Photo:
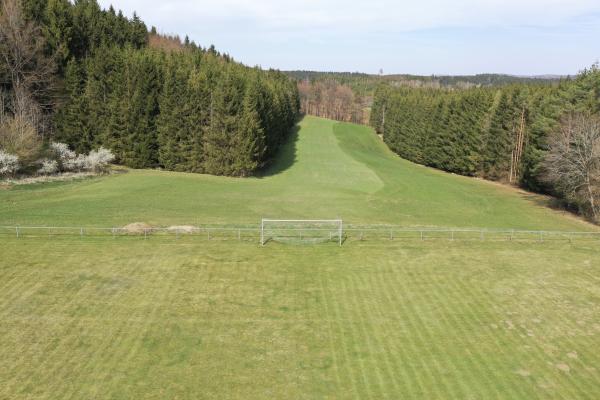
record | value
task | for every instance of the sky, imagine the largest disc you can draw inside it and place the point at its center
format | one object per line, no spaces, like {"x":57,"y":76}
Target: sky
{"x":424,"y":37}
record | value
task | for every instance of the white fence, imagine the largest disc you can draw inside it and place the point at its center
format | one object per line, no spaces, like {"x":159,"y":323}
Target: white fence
{"x":253,"y":233}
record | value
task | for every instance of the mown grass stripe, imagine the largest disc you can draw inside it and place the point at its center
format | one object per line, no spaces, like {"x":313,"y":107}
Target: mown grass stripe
{"x":379,"y":328}
{"x":412,"y":345}
{"x":330,"y":333}
{"x":397,"y":352}
{"x":355,"y":286}
{"x":58,"y":347}
{"x":354,"y":367}
{"x":479,"y":373}
{"x":368,"y":369}
{"x":501,"y":359}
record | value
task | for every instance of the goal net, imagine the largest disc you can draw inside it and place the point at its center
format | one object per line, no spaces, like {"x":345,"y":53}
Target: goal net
{"x":301,"y":231}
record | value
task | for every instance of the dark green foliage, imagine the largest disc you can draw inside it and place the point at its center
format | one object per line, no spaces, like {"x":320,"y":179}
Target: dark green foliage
{"x":498,"y":138}
{"x":70,"y":127}
{"x":498,"y":133}
{"x":189,"y":110}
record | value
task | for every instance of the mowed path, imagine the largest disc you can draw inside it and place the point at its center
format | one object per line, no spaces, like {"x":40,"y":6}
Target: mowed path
{"x":326,"y":170}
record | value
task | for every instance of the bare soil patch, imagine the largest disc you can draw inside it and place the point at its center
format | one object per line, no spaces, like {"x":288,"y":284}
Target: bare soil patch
{"x":182,"y":228}
{"x":137,"y":228}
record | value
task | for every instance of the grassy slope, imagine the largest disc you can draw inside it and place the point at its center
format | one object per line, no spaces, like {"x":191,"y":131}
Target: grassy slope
{"x":327,"y":170}
{"x":163,"y":318}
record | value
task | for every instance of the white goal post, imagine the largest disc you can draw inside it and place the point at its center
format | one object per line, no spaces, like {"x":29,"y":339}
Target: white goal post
{"x":301,"y":230}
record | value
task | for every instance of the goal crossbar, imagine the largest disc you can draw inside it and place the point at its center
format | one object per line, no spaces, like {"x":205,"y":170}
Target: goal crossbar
{"x":335,"y":227}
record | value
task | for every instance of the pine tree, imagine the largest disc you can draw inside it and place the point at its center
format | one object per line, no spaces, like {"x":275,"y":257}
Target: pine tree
{"x":219,"y":148}
{"x":72,"y":124}
{"x":169,"y":119}
{"x":249,"y":141}
{"x":496,"y":156}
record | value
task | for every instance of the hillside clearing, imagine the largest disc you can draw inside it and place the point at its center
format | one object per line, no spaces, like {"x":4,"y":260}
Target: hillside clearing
{"x":168,"y":316}
{"x":326,"y":170}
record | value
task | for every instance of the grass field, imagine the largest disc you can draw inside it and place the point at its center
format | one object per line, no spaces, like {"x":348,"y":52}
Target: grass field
{"x":127,"y":318}
{"x":327,"y":170}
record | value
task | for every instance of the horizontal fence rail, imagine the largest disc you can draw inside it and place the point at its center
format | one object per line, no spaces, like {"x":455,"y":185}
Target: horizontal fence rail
{"x":253,"y":233}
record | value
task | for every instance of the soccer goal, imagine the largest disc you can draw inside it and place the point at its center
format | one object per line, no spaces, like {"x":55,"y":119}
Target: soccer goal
{"x":301,"y":231}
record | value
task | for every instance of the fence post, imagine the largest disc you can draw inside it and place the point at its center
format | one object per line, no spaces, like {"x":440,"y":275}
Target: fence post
{"x":208,"y":233}
{"x":17,"y":229}
{"x":512,"y":232}
{"x":81,"y":232}
{"x":421,"y":235}
{"x":391,"y":234}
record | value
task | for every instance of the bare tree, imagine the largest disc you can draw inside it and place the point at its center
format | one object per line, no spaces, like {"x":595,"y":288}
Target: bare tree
{"x":18,"y":136}
{"x":573,"y":161}
{"x":330,"y":99}
{"x":29,"y":71}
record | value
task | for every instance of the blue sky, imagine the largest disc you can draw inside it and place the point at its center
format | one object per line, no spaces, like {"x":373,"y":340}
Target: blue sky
{"x":523,"y":37}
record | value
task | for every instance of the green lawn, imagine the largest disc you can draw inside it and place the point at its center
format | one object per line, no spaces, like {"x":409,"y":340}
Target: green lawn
{"x":327,"y":170}
{"x":133,"y":319}
{"x":188,"y":318}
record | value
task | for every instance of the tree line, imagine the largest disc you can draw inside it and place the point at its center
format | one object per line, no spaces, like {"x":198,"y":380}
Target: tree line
{"x":91,"y":77}
{"x":502,"y":133}
{"x":329,"y":99}
{"x":348,"y":96}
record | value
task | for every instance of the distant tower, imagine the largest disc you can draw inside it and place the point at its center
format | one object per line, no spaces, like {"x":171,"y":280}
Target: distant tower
{"x":380,"y":71}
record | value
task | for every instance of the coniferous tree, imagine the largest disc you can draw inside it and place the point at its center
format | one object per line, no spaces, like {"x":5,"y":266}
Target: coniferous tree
{"x":182,"y":108}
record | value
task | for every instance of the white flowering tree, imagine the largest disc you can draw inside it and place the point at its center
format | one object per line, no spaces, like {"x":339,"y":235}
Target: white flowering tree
{"x":48,"y":167}
{"x":9,"y":163}
{"x":98,"y":160}
{"x":78,"y":163}
{"x":64,"y":156}
{"x":68,"y":160}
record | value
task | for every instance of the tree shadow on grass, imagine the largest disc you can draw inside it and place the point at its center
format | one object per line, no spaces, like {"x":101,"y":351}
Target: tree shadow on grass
{"x":553,"y":203}
{"x":285,"y":158}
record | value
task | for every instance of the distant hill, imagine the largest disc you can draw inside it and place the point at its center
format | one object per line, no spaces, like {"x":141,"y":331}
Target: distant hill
{"x":364,"y":84}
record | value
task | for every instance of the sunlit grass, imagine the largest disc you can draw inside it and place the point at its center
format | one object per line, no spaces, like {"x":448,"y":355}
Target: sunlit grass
{"x":327,"y":170}
{"x":85,"y":317}
{"x":130,"y":318}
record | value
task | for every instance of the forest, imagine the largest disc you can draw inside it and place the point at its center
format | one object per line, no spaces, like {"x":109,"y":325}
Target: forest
{"x":328,"y":98}
{"x":348,"y":96}
{"x":88,"y":77}
{"x":510,"y":133}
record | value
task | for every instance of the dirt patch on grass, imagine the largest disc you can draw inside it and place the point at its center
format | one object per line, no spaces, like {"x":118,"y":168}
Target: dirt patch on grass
{"x":182,"y":228}
{"x":137,"y":228}
{"x":523,"y":372}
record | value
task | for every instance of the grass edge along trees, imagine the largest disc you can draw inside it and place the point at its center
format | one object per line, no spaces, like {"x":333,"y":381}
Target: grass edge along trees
{"x":499,"y":133}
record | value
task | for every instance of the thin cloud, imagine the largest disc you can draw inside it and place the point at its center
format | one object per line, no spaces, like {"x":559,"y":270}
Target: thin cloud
{"x":342,"y":14}
{"x":346,"y":35}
